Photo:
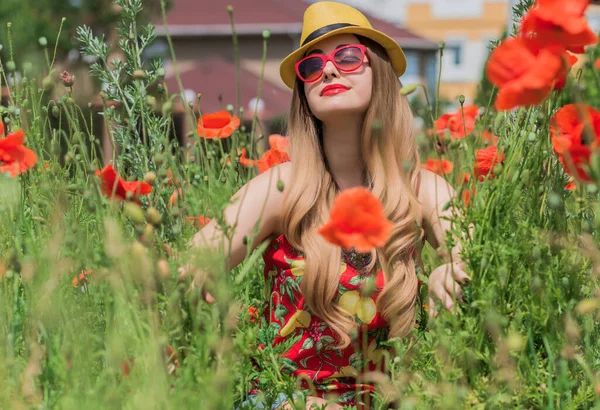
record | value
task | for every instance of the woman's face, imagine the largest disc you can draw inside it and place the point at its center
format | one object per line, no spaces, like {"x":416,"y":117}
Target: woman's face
{"x":357,"y":96}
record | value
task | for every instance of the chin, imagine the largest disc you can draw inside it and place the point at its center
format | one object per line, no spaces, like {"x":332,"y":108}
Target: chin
{"x":335,"y":111}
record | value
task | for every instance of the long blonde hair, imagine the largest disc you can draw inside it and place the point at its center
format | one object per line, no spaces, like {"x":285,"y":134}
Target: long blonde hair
{"x":392,"y":163}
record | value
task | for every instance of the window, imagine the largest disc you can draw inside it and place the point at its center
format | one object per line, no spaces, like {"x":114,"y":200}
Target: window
{"x":454,"y":51}
{"x":453,"y":9}
{"x":412,"y":63}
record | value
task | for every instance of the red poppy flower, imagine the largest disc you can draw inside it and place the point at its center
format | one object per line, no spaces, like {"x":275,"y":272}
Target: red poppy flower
{"x":174,"y":198}
{"x":559,"y":22}
{"x":575,"y":132}
{"x":524,"y":72}
{"x":81,"y":278}
{"x":279,"y":142}
{"x":253,"y":313}
{"x":217,"y":125}
{"x":171,"y":359}
{"x":467,"y":194}
{"x":489,"y":138}
{"x":275,"y":155}
{"x":126,"y":366}
{"x":271,"y":158}
{"x":571,"y":186}
{"x":198,"y":221}
{"x":568,"y":124}
{"x":245,"y":161}
{"x":485,"y":161}
{"x":112,"y":182}
{"x":456,"y":123}
{"x":439,"y":166}
{"x":357,"y":220}
{"x":597,"y":63}
{"x":15,"y":158}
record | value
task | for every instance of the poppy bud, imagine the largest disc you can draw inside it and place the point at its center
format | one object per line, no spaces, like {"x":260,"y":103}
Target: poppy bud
{"x":139,"y":75}
{"x":48,"y":83}
{"x":515,"y":342}
{"x":498,"y":169}
{"x":587,"y":306}
{"x":408,"y":89}
{"x":160,"y":72}
{"x":11,"y":66}
{"x":43,"y":41}
{"x":148,"y":235}
{"x":154,"y":216}
{"x":167,"y":108}
{"x":150,"y":178}
{"x":134,"y":212}
{"x":461,"y":99}
{"x":266,"y":34}
{"x":67,"y":79}
{"x":554,"y":201}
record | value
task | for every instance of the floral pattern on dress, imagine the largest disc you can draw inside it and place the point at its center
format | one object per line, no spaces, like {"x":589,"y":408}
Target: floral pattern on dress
{"x":314,"y":356}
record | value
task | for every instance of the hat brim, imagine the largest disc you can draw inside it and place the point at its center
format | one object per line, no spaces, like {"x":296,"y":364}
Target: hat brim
{"x":287,"y":68}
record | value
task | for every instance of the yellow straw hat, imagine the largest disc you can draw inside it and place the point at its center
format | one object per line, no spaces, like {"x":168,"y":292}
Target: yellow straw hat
{"x":327,"y":18}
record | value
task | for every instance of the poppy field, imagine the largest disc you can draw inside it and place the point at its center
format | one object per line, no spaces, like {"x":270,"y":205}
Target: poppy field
{"x":95,"y":312}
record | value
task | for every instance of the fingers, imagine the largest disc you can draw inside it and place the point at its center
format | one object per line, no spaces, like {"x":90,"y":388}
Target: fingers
{"x":432,"y":310}
{"x":440,"y":293}
{"x":198,"y":282}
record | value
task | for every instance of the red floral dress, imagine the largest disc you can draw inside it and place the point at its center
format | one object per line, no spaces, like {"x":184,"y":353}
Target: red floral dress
{"x":332,"y":371}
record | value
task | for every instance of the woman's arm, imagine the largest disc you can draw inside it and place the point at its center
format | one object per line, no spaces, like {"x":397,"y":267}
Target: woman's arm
{"x":434,"y":193}
{"x":258,"y":201}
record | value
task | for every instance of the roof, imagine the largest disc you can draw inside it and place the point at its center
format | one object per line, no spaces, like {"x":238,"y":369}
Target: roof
{"x":216,"y":76}
{"x":203,"y":18}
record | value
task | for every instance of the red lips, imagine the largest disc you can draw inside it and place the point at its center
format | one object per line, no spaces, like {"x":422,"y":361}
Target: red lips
{"x":331,"y":87}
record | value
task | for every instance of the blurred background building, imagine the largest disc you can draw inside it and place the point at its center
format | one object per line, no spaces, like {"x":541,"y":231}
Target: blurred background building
{"x":202,"y":39}
{"x":201,"y":33}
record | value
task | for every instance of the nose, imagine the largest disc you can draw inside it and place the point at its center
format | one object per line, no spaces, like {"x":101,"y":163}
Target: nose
{"x":330,"y":70}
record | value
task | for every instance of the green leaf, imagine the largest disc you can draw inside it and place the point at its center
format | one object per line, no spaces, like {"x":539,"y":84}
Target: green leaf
{"x":288,"y":365}
{"x":308,"y":344}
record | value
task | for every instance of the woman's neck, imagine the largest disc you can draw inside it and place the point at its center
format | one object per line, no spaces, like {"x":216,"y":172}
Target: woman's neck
{"x":341,"y":144}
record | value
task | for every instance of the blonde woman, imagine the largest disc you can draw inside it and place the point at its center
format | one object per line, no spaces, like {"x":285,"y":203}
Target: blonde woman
{"x":348,"y":126}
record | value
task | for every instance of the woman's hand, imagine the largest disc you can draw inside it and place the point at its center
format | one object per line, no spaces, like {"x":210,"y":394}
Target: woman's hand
{"x":444,"y":285}
{"x":198,"y":282}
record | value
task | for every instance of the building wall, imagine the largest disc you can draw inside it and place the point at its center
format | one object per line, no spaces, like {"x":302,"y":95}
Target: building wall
{"x":466,"y":26}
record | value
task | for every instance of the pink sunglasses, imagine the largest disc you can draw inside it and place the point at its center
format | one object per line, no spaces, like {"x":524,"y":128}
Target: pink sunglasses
{"x":346,"y":59}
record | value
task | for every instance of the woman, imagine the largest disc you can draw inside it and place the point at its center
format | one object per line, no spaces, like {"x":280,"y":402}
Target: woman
{"x":349,"y":126}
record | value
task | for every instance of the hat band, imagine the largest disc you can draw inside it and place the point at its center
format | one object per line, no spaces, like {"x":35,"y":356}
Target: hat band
{"x":324,"y":30}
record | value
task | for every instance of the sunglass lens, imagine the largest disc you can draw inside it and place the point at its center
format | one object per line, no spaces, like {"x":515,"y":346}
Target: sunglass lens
{"x":349,"y":58}
{"x":310,"y":69}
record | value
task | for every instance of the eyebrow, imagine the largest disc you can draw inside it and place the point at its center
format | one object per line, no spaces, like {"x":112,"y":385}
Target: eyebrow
{"x":321,"y":51}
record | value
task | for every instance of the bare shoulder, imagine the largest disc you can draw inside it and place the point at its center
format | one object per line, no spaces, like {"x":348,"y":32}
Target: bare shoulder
{"x":433,"y":189}
{"x":265,"y":189}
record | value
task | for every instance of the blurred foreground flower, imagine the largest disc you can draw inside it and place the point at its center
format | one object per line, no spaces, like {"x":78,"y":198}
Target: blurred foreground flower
{"x":456,"y":123}
{"x":439,"y":166}
{"x":116,"y":187}
{"x":357,"y":221}
{"x":15,"y":158}
{"x":524,"y":72}
{"x":217,"y":125}
{"x":559,"y":22}
{"x":575,"y":131}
